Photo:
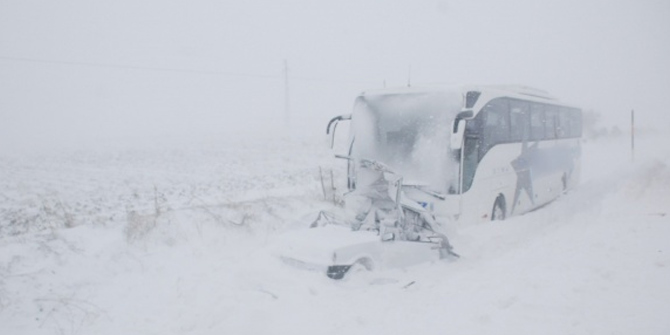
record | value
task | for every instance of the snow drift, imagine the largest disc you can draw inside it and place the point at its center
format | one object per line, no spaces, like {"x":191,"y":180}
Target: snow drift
{"x":177,"y":241}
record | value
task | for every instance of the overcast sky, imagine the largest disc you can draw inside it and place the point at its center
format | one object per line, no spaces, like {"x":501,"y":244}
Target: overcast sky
{"x":76,"y":70}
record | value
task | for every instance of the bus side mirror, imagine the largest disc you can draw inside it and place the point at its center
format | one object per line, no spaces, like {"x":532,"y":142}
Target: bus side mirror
{"x":457,"y":134}
{"x":458,"y":129}
{"x":333,"y":122}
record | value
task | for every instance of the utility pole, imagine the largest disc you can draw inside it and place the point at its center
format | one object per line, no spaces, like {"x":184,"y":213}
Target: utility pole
{"x":287,"y":109}
{"x":409,"y":76}
{"x":632,"y":135}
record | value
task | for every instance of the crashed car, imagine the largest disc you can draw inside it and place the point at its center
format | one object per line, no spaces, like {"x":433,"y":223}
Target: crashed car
{"x":379,"y":230}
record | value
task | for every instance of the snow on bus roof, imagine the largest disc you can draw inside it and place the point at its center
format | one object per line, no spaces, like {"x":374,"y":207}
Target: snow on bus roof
{"x":513,"y":89}
{"x":411,"y":90}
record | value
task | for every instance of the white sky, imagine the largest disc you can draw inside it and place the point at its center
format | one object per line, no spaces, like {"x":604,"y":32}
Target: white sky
{"x":611,"y":56}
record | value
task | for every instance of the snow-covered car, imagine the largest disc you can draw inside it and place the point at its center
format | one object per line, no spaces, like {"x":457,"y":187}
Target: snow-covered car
{"x":380,"y":230}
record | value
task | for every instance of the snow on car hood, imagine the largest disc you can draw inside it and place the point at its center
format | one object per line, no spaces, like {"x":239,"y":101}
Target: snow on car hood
{"x":316,"y":247}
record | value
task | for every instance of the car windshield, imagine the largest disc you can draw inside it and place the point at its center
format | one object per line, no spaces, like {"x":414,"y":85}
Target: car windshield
{"x":409,"y":132}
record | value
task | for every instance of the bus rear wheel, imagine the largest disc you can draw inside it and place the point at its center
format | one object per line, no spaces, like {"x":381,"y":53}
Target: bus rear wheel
{"x":498,"y":212}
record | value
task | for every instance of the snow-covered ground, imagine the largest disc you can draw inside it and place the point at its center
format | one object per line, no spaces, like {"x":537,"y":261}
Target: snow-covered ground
{"x":159,"y":240}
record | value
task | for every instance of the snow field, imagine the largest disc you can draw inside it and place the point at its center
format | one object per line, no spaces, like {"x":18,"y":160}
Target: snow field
{"x":177,"y":241}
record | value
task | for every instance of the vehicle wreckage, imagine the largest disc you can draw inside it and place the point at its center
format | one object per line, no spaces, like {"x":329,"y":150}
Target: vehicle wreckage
{"x":420,"y":158}
{"x":379,"y":225}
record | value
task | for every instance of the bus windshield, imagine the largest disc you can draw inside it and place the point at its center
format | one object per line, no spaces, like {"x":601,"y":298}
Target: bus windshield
{"x":409,"y":133}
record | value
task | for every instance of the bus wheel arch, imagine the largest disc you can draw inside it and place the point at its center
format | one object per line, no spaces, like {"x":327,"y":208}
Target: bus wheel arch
{"x":499,"y":210}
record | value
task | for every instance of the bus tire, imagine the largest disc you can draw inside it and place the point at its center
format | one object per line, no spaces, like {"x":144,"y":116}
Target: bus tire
{"x":498,"y":212}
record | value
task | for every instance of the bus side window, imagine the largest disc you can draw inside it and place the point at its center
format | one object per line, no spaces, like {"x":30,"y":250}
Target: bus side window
{"x":519,"y":122}
{"x":496,"y":127}
{"x":471,"y":159}
{"x":576,"y":122}
{"x":563,"y":127}
{"x":550,"y":116}
{"x":536,"y":122}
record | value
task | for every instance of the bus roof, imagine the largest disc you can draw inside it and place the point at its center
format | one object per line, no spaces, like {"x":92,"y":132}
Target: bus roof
{"x":488,"y":92}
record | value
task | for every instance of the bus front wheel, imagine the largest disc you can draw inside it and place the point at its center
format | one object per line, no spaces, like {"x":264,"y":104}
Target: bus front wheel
{"x":498,"y":213}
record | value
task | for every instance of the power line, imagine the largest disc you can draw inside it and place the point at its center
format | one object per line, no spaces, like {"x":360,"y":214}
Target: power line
{"x":191,"y":71}
{"x":335,"y":80}
{"x":133,"y":67}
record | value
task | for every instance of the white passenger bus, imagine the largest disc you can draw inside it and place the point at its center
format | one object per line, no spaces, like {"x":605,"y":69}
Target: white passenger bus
{"x":468,"y":153}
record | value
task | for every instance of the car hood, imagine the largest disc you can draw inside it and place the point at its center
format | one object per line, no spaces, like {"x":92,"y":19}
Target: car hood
{"x":322,"y":246}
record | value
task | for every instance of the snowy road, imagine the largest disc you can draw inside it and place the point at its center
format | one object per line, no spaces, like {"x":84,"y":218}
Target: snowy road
{"x":175,"y":241}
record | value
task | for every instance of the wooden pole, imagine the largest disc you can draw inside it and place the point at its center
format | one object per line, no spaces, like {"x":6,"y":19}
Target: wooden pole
{"x":632,"y":134}
{"x":287,"y":109}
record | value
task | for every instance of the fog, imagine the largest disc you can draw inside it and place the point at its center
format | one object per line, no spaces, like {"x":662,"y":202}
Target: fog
{"x":150,"y":163}
{"x":79,"y":72}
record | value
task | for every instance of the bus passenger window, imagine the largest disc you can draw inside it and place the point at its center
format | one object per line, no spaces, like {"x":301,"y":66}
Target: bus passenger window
{"x":563,"y":126}
{"x":496,"y":129}
{"x":575,"y":123}
{"x":550,"y":122}
{"x":520,"y":126}
{"x":536,"y":122}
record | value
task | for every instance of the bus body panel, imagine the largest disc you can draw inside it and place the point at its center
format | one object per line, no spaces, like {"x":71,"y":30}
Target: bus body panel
{"x":496,"y":176}
{"x":508,"y":161}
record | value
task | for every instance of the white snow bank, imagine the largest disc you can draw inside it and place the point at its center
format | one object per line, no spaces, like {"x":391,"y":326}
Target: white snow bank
{"x":193,"y":257}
